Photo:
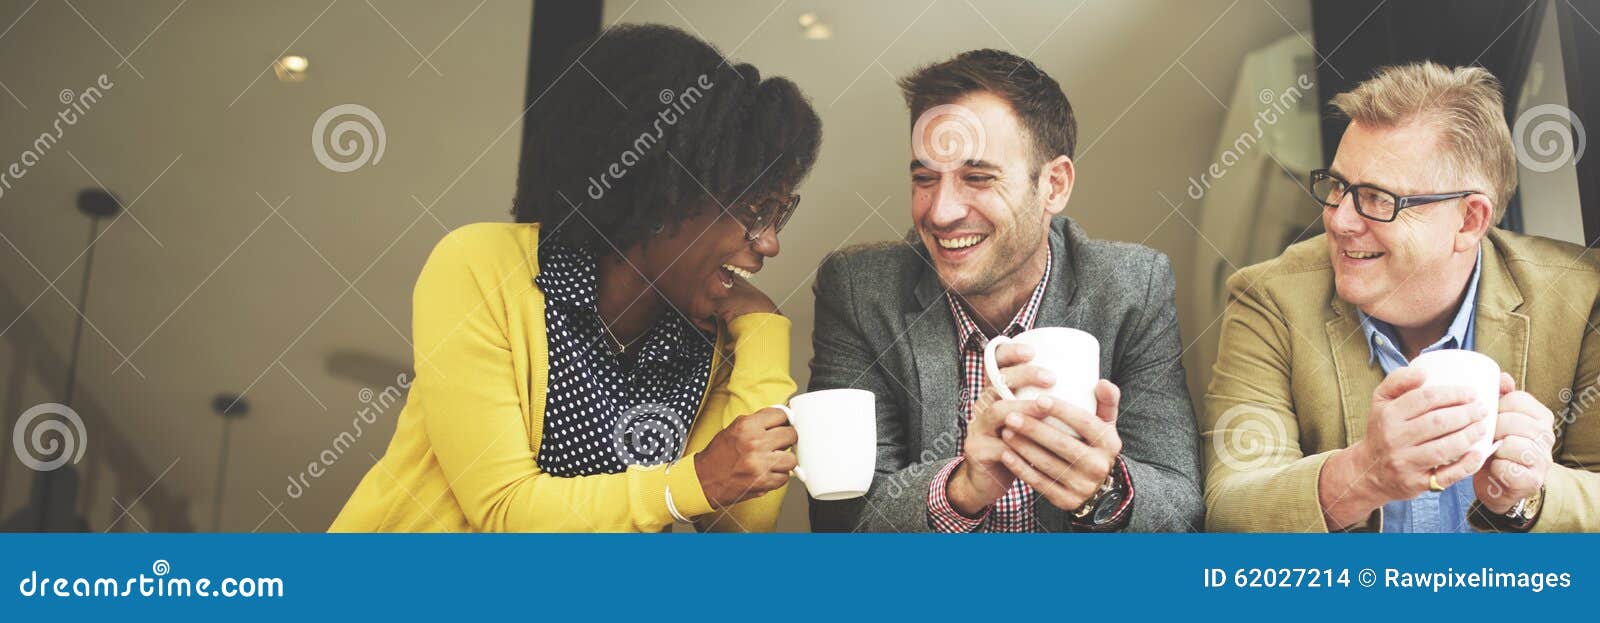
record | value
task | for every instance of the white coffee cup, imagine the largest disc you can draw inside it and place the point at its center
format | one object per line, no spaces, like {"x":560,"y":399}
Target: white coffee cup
{"x":838,"y":447}
{"x":1073,"y":356}
{"x":1475,"y":371}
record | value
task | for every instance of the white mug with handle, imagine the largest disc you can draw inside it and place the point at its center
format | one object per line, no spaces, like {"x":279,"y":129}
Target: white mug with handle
{"x":1073,"y":356}
{"x":1475,"y":371}
{"x":838,"y":441}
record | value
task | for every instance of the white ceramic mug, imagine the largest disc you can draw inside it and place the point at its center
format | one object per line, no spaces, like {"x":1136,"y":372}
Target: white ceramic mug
{"x":838,"y":447}
{"x":1475,"y":371}
{"x":1073,"y":356}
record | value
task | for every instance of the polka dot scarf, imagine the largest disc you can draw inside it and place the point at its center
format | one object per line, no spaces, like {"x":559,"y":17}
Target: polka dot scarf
{"x":601,"y":417}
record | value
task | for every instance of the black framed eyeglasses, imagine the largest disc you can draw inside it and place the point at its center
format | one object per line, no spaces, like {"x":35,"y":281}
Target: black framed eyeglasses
{"x":1372,"y":202}
{"x":773,"y":213}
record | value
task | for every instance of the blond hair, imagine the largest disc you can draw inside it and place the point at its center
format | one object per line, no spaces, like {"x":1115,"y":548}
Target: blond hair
{"x":1464,"y":103}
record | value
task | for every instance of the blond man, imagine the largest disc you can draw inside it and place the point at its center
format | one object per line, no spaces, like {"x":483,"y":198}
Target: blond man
{"x":1314,"y":422}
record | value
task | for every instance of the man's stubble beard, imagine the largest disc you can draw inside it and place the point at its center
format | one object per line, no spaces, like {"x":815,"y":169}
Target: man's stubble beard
{"x":1009,"y":255}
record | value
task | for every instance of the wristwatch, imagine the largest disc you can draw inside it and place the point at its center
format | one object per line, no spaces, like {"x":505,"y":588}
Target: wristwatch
{"x":1107,"y":510}
{"x":1099,"y":496}
{"x":1521,"y":518}
{"x":1526,"y":509}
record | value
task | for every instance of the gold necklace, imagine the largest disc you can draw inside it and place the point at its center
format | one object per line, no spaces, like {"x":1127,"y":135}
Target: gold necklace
{"x":621,"y":348}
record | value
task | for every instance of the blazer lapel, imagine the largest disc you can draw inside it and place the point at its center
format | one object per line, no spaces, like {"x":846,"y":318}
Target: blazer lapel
{"x":1499,"y":330}
{"x":1353,"y":366}
{"x":1056,"y":310}
{"x":930,"y":335}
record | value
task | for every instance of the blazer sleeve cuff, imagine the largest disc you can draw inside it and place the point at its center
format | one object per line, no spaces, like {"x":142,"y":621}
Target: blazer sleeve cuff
{"x":1269,"y":499}
{"x":1568,"y":506}
{"x":1312,"y":514}
{"x":1559,"y":489}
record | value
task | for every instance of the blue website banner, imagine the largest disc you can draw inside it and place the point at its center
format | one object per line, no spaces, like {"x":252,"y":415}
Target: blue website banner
{"x":749,"y":577}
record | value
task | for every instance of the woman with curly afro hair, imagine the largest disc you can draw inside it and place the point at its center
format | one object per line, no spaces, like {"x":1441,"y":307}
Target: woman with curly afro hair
{"x":604,"y":363}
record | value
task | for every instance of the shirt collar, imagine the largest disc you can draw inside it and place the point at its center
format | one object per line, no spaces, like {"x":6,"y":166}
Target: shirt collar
{"x":672,"y":338}
{"x":1381,"y":336}
{"x":567,"y":276}
{"x":971,"y":337}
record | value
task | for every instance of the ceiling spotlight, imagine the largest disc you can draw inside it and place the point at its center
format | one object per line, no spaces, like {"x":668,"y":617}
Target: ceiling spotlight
{"x":812,"y":27}
{"x":291,"y":68}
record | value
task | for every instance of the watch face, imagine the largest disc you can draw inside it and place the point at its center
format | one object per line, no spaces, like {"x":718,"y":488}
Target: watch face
{"x":1107,"y":506}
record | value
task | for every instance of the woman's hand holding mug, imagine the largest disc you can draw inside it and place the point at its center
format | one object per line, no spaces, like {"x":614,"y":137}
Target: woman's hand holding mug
{"x":748,"y":458}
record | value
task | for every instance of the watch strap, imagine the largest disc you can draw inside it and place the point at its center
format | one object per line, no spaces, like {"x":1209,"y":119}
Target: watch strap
{"x":1112,"y":507}
{"x":1521,"y":518}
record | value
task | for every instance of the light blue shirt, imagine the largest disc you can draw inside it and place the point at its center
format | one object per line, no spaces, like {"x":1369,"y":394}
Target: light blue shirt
{"x":1444,"y":511}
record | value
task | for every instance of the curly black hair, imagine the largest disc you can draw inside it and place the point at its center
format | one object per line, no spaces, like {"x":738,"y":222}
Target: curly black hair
{"x":648,"y":127}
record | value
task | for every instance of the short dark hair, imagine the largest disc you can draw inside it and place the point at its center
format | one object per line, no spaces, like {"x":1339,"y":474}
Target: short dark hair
{"x":652,"y":128}
{"x":1034,"y":96}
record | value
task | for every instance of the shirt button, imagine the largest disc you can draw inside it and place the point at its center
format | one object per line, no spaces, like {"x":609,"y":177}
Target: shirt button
{"x":1382,"y":342}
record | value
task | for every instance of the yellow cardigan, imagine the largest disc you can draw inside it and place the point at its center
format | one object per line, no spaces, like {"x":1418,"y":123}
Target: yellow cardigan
{"x":464,"y":450}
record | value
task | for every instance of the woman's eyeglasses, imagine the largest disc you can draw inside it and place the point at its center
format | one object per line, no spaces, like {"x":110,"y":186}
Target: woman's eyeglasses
{"x":773,"y":213}
{"x":1371,"y":202}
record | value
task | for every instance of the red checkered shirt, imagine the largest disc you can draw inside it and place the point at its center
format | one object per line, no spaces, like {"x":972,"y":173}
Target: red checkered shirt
{"x":1013,"y":511}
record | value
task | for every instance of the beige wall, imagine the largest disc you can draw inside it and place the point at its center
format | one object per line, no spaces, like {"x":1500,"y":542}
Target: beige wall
{"x":220,"y":294}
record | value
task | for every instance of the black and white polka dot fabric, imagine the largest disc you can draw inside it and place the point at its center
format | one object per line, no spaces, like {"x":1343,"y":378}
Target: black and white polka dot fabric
{"x":601,"y":417}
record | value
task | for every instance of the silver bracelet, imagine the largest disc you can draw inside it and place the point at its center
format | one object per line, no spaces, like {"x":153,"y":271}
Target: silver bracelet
{"x":672,"y":508}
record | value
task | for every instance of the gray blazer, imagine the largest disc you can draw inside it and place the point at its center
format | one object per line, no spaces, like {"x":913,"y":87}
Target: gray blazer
{"x":882,"y":325}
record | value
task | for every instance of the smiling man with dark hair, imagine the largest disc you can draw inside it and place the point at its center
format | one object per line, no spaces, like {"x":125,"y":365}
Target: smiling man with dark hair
{"x":991,"y":171}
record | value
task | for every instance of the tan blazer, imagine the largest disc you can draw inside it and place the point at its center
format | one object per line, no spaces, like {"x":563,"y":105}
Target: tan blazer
{"x":1294,"y":378}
